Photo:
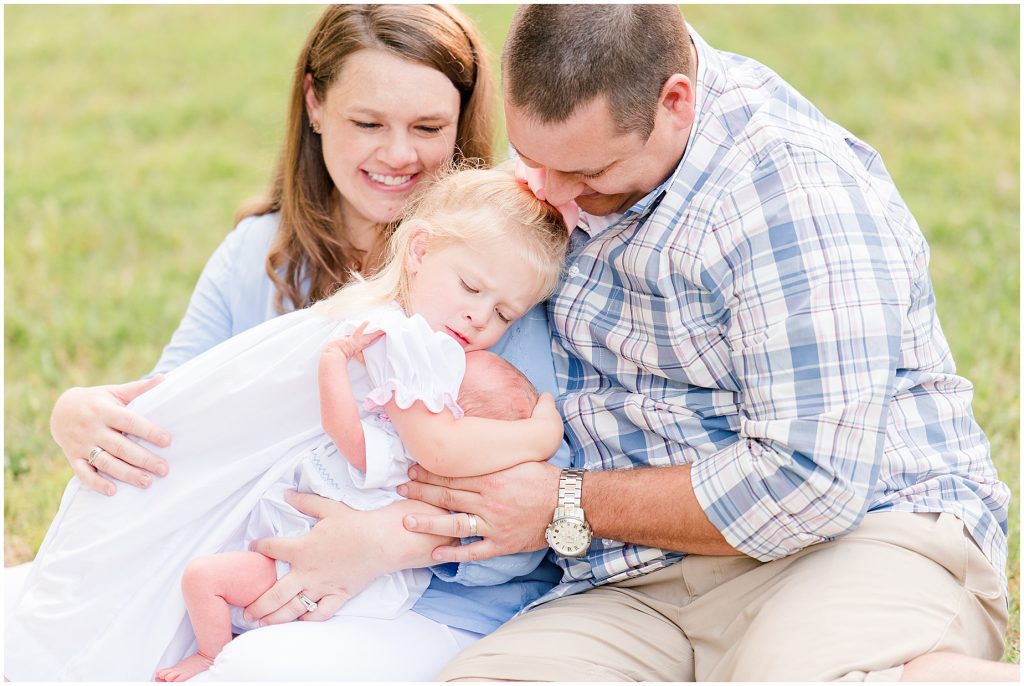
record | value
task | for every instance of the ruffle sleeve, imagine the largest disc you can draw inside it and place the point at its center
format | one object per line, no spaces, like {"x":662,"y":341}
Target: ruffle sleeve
{"x":413,"y":363}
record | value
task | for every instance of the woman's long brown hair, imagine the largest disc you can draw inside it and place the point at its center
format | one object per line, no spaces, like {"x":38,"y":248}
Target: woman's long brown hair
{"x":310,"y":256}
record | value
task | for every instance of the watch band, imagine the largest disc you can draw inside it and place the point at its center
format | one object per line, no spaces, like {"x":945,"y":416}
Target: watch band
{"x":570,"y":492}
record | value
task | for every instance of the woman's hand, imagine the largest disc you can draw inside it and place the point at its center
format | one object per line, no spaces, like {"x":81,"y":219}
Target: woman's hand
{"x":345,"y":551}
{"x":513,"y":508}
{"x":95,"y":417}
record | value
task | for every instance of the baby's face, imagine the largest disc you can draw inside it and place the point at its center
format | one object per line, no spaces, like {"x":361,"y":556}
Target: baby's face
{"x":471,"y":295}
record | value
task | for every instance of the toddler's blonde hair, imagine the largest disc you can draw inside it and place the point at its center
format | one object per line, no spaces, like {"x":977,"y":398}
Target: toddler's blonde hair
{"x":486,"y":209}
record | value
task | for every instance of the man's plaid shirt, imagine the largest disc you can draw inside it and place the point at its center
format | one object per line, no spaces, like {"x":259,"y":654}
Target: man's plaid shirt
{"x":766,"y":315}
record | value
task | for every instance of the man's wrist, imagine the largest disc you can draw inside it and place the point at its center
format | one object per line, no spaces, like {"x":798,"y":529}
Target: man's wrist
{"x":569,"y":535}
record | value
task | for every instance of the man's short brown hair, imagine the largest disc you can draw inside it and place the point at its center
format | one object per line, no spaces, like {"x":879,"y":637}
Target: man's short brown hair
{"x":560,"y":57}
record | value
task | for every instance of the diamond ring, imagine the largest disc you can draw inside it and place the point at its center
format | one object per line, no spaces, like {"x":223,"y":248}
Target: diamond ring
{"x":310,"y":605}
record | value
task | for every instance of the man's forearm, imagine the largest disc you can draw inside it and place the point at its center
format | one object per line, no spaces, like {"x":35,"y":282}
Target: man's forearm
{"x":653,"y":506}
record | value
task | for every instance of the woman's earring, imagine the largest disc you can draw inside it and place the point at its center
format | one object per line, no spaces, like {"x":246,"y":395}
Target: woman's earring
{"x":315,"y":125}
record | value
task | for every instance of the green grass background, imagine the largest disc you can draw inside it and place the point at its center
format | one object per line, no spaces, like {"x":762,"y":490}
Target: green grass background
{"x":132,"y":134}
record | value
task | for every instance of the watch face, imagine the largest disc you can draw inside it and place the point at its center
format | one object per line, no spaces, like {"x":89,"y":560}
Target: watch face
{"x":569,"y":537}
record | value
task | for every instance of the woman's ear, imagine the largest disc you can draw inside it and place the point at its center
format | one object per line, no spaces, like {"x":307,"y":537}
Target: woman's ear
{"x":312,"y":104}
{"x":418,"y":245}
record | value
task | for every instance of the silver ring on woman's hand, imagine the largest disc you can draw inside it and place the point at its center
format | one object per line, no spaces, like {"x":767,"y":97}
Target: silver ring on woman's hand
{"x":310,"y":605}
{"x":472,"y":525}
{"x":93,"y":454}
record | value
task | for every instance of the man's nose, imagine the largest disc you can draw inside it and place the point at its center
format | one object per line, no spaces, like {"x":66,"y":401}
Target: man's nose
{"x":560,"y":188}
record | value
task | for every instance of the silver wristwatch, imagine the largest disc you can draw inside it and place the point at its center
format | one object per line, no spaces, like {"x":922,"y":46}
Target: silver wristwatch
{"x":568,"y":534}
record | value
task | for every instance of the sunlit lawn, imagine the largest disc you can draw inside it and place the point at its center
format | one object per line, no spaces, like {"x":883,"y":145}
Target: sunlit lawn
{"x":132,"y":133}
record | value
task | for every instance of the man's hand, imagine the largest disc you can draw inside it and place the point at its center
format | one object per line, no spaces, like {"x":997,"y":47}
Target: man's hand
{"x":513,"y":507}
{"x":345,"y":551}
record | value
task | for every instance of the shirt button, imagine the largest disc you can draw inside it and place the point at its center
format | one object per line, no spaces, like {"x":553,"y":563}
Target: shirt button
{"x":574,"y":271}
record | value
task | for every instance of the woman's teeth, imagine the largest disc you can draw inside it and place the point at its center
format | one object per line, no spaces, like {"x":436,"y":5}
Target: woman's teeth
{"x":389,"y":180}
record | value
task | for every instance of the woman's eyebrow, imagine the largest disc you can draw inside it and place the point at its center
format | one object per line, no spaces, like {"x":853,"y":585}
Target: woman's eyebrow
{"x":369,"y":111}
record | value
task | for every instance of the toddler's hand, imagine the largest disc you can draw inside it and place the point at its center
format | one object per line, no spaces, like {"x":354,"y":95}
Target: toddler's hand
{"x":352,"y":346}
{"x":545,"y":409}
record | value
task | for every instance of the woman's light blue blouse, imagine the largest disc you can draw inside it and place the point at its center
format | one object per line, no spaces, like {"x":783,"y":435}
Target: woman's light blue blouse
{"x":234,"y":293}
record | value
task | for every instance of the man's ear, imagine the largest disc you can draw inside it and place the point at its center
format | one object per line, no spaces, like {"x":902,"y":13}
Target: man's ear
{"x":309,"y":95}
{"x":678,"y":97}
{"x":418,"y":245}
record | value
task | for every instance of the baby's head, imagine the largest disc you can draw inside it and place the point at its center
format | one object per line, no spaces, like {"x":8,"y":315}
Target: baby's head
{"x":475,"y":251}
{"x":494,"y":389}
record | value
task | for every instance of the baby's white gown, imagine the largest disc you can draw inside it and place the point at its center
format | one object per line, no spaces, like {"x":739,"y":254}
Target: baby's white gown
{"x":102,"y":600}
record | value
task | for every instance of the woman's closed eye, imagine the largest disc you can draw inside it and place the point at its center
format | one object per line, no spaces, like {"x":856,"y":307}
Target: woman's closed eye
{"x":365,"y":124}
{"x":467,"y":287}
{"x":504,"y":319}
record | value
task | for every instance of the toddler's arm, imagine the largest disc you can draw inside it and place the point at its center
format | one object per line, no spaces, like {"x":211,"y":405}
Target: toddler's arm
{"x":338,"y":411}
{"x":472,"y":446}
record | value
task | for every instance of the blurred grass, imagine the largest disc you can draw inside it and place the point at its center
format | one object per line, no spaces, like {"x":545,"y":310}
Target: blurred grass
{"x":132,"y":133}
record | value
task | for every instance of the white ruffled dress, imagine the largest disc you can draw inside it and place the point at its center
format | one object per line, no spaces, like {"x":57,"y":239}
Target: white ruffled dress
{"x":102,"y":600}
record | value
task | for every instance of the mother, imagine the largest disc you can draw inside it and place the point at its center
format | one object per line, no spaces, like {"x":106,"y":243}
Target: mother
{"x":382,"y":96}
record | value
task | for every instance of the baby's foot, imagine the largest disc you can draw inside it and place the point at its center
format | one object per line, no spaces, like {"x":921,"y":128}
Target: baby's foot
{"x":186,"y":669}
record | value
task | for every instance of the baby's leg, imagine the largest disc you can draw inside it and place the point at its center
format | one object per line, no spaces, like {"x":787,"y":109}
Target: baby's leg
{"x":211,"y":585}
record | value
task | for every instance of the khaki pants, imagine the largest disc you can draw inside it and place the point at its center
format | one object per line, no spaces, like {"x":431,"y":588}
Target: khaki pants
{"x":857,"y":608}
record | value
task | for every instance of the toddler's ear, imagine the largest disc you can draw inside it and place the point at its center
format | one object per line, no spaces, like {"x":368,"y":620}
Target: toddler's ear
{"x":418,"y":245}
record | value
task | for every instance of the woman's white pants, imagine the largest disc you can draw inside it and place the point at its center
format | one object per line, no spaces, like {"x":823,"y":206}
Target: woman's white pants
{"x":407,"y":648}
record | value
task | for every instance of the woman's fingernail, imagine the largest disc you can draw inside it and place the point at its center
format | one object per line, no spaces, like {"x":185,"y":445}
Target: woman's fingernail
{"x":402,"y":490}
{"x":414,"y":473}
{"x":410,"y":522}
{"x":109,"y":490}
{"x":161,"y":470}
{"x":144,"y":481}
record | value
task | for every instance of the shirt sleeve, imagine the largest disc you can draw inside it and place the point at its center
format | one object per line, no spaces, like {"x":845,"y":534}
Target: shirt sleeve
{"x":233,"y":294}
{"x":387,"y":463}
{"x":207,"y":320}
{"x":414,"y":364}
{"x":815,"y":283}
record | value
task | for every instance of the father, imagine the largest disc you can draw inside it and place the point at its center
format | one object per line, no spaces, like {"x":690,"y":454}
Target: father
{"x":756,"y":378}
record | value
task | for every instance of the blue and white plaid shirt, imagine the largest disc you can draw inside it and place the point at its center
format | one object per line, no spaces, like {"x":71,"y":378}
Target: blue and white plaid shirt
{"x":766,"y":315}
